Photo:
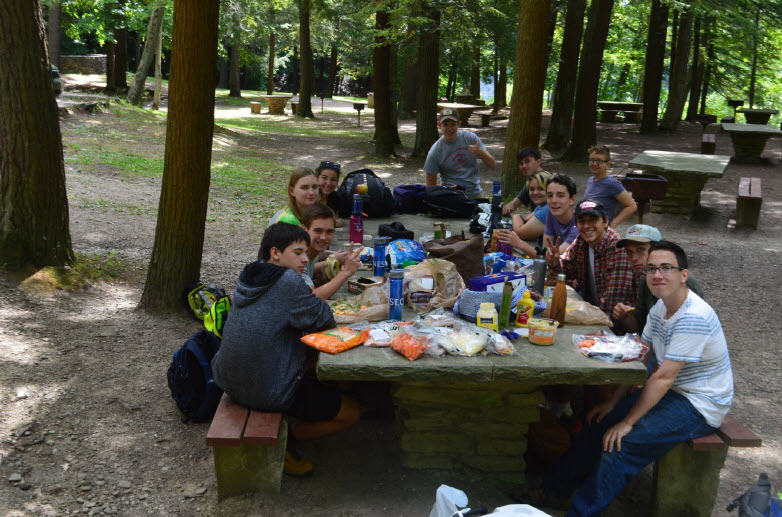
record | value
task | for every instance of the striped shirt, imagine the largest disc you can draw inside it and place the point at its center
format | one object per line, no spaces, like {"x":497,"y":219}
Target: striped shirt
{"x":694,"y":336}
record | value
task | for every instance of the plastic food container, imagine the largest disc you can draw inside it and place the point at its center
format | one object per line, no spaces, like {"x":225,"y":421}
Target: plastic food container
{"x":542,"y":331}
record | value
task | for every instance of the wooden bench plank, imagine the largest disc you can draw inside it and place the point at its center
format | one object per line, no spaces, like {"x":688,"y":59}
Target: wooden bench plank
{"x":227,"y":424}
{"x":736,"y":435}
{"x":710,"y":442}
{"x":754,"y":188}
{"x":744,"y":187}
{"x":262,"y":428}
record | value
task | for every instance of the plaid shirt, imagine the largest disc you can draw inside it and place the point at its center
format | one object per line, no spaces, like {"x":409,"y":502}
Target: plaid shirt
{"x":613,"y":272}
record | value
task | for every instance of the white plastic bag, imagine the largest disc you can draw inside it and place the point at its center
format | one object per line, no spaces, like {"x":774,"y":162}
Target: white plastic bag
{"x":448,"y":501}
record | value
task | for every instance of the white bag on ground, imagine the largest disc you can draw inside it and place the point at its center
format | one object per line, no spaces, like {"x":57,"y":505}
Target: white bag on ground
{"x":447,"y":502}
{"x":517,"y":510}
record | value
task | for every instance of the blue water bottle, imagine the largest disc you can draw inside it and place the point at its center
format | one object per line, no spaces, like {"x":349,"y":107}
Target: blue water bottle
{"x":379,"y":260}
{"x":395,"y":294}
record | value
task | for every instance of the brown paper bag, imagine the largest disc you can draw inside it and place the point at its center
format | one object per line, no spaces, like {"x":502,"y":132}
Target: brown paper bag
{"x":467,"y":254}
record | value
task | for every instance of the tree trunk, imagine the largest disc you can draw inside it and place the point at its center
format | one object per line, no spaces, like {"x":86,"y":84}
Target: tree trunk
{"x":451,"y":86}
{"x":565,"y":87}
{"x":179,"y":235}
{"x":503,"y":83}
{"x":234,"y":72}
{"x":121,"y":59}
{"x":393,"y":72}
{"x":222,"y":78}
{"x":110,"y":82}
{"x":496,"y":77}
{"x":754,"y":69}
{"x":584,"y":131}
{"x":381,"y":59}
{"x":428,"y":78}
{"x":55,"y":30}
{"x":409,"y":80}
{"x":475,"y":76}
{"x":551,"y":25}
{"x":674,"y":39}
{"x":677,"y":88}
{"x":332,"y":71}
{"x":34,"y":228}
{"x":709,"y":45}
{"x":150,"y":44}
{"x":655,"y":63}
{"x":270,"y":73}
{"x":296,"y":69}
{"x":527,"y":98}
{"x":695,"y":71}
{"x":158,"y":71}
{"x":307,"y":70}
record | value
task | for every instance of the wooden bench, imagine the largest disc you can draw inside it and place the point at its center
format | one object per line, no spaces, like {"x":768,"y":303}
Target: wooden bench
{"x":708,"y":143}
{"x":485,"y":117}
{"x":608,"y":115}
{"x":633,"y":116}
{"x":686,"y":479}
{"x":748,"y":202}
{"x":249,"y":449}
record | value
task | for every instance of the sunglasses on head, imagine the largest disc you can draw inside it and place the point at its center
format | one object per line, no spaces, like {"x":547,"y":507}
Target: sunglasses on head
{"x":329,"y":165}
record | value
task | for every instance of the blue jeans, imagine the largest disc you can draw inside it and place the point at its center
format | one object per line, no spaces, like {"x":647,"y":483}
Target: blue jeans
{"x":672,"y":421}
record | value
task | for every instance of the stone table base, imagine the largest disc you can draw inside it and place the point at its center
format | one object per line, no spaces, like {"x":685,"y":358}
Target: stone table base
{"x":748,"y":147}
{"x":276,"y":103}
{"x":683,"y":194}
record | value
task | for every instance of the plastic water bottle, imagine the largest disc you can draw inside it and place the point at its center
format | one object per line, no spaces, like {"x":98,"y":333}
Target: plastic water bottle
{"x":357,"y":220}
{"x":379,"y":260}
{"x":396,"y":297}
{"x":496,"y":205}
{"x":540,"y":275}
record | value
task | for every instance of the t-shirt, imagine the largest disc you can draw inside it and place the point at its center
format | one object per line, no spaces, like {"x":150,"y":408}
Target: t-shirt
{"x":646,"y":300}
{"x":309,"y":272}
{"x":604,"y":191}
{"x":566,"y":232}
{"x":523,"y":196}
{"x":541,"y":212}
{"x":454,"y":163}
{"x":694,"y":335}
{"x":284,"y":216}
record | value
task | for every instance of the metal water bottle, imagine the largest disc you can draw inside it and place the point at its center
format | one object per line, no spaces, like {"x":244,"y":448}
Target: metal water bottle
{"x":379,"y":260}
{"x":357,"y":220}
{"x":396,"y":299}
{"x":540,"y":275}
{"x":559,"y":301}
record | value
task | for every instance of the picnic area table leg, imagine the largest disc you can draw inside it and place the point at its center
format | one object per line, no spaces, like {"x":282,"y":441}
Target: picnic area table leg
{"x":747,"y":147}
{"x":478,"y":425}
{"x":683,"y":194}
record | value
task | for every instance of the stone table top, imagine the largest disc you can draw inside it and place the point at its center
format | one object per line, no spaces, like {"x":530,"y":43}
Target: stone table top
{"x":457,"y":105}
{"x":560,"y":363}
{"x":752,"y":129}
{"x":758,"y":110}
{"x":286,"y":97}
{"x":688,"y":163}
{"x":618,"y":105}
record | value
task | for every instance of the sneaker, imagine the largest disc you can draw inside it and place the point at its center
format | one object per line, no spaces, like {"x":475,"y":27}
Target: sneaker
{"x":537,"y":497}
{"x":295,"y":466}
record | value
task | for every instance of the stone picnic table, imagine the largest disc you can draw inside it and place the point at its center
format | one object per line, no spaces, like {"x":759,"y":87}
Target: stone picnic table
{"x":276,"y":103}
{"x":610,"y":109}
{"x":464,"y":110}
{"x":749,"y":140}
{"x":687,"y":174}
{"x":474,"y":411}
{"x":757,"y":116}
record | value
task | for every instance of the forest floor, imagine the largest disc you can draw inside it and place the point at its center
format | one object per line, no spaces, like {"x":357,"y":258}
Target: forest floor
{"x":86,"y":418}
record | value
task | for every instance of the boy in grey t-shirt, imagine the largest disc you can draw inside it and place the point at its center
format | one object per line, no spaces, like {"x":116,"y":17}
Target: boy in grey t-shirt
{"x":454,"y":156}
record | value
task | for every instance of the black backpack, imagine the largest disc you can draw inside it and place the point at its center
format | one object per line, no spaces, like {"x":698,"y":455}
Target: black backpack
{"x":441,"y":201}
{"x":378,"y":202}
{"x":190,"y":377}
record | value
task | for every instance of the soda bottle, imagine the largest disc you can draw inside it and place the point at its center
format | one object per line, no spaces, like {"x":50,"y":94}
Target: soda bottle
{"x":559,"y":301}
{"x":357,"y":220}
{"x":396,"y":297}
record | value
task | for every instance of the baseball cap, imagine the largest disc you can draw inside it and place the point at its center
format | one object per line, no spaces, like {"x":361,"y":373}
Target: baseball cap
{"x":640,"y":233}
{"x":449,"y":114}
{"x":589,"y":206}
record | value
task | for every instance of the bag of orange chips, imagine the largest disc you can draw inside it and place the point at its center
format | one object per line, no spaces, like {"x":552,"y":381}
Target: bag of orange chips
{"x":336,"y":340}
{"x":409,"y":346}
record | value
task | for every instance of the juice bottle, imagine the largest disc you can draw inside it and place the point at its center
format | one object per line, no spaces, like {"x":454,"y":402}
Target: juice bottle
{"x":357,"y":220}
{"x":488,"y":317}
{"x":524,"y":309}
{"x":559,"y":301}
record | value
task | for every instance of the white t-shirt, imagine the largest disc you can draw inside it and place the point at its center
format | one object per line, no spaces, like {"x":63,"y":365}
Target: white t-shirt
{"x":694,"y":335}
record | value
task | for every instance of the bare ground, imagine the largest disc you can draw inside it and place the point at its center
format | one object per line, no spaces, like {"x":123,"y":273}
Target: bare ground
{"x":88,"y":422}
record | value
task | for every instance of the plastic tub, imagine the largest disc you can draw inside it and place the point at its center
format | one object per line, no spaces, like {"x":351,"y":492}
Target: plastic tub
{"x":542,"y":331}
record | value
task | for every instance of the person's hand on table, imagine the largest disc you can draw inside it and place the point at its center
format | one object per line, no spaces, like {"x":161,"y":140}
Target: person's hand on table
{"x":352,"y":261}
{"x":509,"y":237}
{"x":552,"y":254}
{"x":613,"y":437}
{"x":599,"y":412}
{"x":621,"y":311}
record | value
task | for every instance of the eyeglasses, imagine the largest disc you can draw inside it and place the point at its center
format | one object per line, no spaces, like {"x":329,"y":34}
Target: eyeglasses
{"x":597,"y":160}
{"x":329,"y":165}
{"x":664,"y":269}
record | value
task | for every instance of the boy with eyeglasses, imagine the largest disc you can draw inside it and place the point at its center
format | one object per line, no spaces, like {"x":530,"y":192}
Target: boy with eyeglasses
{"x":686,"y":396}
{"x":607,"y":189}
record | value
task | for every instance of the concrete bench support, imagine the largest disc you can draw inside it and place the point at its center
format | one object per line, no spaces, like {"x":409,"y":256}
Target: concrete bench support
{"x":709,"y":143}
{"x":748,"y":202}
{"x":249,"y":449}
{"x":255,"y":108}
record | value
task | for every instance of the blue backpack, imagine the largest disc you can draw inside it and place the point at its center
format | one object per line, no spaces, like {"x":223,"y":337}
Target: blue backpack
{"x":190,"y":377}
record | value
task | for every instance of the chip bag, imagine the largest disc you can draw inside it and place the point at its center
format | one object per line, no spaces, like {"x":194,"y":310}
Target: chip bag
{"x":336,"y":340}
{"x":412,"y":347}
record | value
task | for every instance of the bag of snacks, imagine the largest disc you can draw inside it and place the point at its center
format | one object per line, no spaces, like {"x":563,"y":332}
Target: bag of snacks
{"x":610,"y":348}
{"x":412,"y":347}
{"x":336,"y":340}
{"x":371,"y":305}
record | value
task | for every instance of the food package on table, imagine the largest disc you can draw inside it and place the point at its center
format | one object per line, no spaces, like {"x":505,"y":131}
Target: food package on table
{"x":383,"y":333}
{"x":336,"y":340}
{"x":608,"y":347}
{"x":412,"y":347}
{"x":440,"y":318}
{"x":580,"y":312}
{"x":466,"y":339}
{"x":404,"y":252}
{"x":371,"y":305}
{"x":500,"y":345}
{"x":448,"y":284}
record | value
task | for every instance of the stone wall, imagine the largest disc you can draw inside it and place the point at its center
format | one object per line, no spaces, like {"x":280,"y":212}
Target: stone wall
{"x":89,"y":64}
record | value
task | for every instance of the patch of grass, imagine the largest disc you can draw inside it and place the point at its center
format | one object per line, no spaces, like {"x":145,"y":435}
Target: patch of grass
{"x":290,"y":127}
{"x":122,"y":208}
{"x":121,"y":160}
{"x":85,"y":270}
{"x":350,"y":99}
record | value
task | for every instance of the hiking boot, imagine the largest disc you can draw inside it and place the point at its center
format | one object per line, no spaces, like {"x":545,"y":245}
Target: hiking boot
{"x":537,"y":497}
{"x":295,"y":466}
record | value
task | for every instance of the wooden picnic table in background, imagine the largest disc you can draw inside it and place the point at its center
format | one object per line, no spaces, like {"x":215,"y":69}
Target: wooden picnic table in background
{"x":749,"y":140}
{"x":609,"y":110}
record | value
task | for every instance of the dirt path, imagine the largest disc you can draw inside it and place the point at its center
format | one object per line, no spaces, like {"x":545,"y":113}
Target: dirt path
{"x":86,"y":417}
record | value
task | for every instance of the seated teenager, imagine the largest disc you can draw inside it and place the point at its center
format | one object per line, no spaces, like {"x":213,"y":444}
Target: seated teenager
{"x":303,"y":192}
{"x":607,"y":189}
{"x":319,"y":221}
{"x":531,"y":229}
{"x":638,"y":239}
{"x":561,"y":228}
{"x":594,"y":266}
{"x":687,"y":395}
{"x":529,"y":164}
{"x":262,"y":363}
{"x":328,"y":179}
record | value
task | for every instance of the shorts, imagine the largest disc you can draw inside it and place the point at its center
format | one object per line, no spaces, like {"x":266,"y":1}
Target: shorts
{"x":315,"y":401}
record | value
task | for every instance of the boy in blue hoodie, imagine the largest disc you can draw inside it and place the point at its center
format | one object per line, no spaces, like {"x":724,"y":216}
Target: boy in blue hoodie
{"x":262,"y":363}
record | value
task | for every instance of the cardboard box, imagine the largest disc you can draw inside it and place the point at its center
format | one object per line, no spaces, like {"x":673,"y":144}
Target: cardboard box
{"x":495,"y":283}
{"x":359,"y":285}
